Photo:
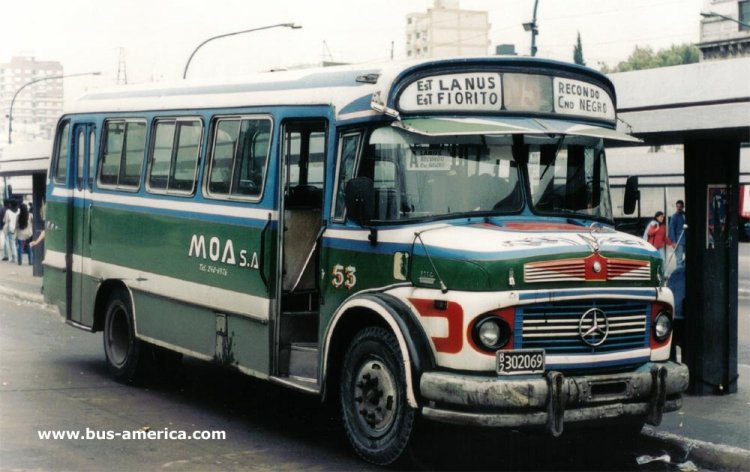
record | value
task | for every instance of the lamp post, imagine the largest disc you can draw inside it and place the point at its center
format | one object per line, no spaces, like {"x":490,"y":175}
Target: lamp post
{"x":41,"y":79}
{"x":533,"y":28}
{"x":711,"y":14}
{"x":280,"y":25}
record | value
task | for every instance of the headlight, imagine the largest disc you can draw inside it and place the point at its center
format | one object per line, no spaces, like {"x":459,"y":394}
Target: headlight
{"x":662,"y":326}
{"x":491,"y":333}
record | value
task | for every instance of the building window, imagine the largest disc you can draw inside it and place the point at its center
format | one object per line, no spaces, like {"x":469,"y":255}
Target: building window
{"x":744,"y":15}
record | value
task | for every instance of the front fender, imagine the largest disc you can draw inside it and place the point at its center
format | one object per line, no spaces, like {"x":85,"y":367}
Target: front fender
{"x":412,"y":340}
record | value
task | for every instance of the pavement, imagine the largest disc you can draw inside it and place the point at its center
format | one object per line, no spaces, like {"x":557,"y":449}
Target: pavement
{"x":711,"y":431}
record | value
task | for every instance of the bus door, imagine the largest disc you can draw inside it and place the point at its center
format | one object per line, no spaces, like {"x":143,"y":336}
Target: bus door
{"x":302,"y":183}
{"x":81,"y":286}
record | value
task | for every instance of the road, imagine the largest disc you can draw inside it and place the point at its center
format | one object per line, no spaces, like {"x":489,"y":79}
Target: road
{"x":53,"y":378}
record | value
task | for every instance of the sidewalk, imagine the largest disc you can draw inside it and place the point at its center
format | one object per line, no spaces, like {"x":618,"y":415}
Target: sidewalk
{"x":713,"y":431}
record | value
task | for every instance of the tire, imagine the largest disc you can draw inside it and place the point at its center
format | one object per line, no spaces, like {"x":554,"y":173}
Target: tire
{"x":124,"y":353}
{"x":377,"y":418}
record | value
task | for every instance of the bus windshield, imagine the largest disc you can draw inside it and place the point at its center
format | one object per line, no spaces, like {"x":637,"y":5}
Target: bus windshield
{"x":417,"y":176}
{"x":568,"y":175}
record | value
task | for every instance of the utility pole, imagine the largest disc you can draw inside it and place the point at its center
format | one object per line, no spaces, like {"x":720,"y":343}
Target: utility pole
{"x":122,"y":71}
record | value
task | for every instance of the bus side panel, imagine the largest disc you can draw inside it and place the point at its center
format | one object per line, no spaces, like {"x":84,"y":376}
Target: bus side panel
{"x":177,"y":324}
{"x":56,"y":248}
{"x":247,"y":344}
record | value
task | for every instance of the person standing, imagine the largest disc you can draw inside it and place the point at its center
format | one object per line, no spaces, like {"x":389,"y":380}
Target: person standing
{"x":24,"y":232}
{"x":9,"y":232}
{"x":656,"y":235}
{"x":677,"y":232}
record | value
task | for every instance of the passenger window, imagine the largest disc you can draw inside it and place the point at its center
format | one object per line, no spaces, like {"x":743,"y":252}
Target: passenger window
{"x":238,"y":157}
{"x":92,"y":159}
{"x":174,"y":156}
{"x":124,"y":150}
{"x":61,"y":164}
{"x":81,"y":146}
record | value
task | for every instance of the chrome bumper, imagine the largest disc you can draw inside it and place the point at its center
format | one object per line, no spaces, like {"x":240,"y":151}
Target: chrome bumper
{"x":553,"y":399}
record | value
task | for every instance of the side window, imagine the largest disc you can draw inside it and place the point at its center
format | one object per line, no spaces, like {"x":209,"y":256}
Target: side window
{"x":81,"y":159}
{"x":124,"y":149}
{"x":92,"y":158}
{"x":61,"y":162}
{"x":304,"y":158}
{"x":349,"y":146}
{"x":174,"y":156}
{"x":238,"y":157}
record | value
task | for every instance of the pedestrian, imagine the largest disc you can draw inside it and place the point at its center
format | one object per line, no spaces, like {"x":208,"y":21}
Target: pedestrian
{"x":677,"y":232}
{"x":24,"y":232}
{"x":9,"y":229}
{"x":656,"y":235}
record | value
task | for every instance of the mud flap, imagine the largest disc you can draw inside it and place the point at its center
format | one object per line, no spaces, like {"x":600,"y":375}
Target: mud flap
{"x":555,"y":403}
{"x":658,"y":396}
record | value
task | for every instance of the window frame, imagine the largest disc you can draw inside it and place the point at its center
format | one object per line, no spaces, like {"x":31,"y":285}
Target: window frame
{"x":176,"y":120}
{"x":210,"y":158}
{"x":102,"y":146}
{"x":361,"y":134}
{"x":59,"y":138}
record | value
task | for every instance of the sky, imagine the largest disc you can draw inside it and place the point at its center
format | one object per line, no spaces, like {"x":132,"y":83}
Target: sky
{"x":157,"y":36}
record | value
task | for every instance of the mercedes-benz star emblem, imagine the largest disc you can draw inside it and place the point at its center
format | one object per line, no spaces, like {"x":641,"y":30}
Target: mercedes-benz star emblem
{"x":593,"y":327}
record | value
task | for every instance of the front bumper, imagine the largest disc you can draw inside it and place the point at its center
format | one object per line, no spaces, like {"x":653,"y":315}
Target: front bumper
{"x":553,"y":399}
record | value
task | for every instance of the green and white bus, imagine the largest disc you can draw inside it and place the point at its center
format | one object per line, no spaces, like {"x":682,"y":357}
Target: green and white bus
{"x":428,"y":239}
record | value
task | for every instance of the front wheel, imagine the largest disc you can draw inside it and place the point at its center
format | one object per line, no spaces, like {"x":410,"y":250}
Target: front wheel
{"x":377,"y":418}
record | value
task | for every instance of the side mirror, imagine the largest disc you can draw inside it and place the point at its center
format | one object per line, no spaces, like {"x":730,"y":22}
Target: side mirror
{"x":360,"y":200}
{"x":632,"y":195}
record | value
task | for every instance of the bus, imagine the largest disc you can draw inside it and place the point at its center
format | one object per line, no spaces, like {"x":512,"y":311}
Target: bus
{"x":661,"y":182}
{"x":430,"y":239}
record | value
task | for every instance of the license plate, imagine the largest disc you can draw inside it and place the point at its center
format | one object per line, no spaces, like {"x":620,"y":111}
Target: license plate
{"x":523,"y":361}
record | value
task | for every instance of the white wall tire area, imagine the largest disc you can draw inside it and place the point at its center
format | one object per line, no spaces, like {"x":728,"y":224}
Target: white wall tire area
{"x":377,"y":417}
{"x":123,"y":351}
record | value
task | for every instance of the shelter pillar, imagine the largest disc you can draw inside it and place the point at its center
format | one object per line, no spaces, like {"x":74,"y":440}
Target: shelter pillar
{"x":711,"y":201}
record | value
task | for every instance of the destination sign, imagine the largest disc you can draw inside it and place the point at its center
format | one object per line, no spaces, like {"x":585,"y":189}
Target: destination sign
{"x":454,"y":92}
{"x":574,"y":97}
{"x":484,"y":92}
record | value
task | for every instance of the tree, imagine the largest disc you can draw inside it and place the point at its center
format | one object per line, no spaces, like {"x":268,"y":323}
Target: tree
{"x":578,"y":52}
{"x":645,"y":58}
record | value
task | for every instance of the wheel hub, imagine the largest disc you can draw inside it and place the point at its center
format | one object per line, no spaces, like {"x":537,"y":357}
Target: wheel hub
{"x":375,"y":396}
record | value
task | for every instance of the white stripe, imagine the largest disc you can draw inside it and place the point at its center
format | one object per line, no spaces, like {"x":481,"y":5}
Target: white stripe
{"x":614,"y":356}
{"x":189,"y":292}
{"x":398,"y":235}
{"x":186,"y":205}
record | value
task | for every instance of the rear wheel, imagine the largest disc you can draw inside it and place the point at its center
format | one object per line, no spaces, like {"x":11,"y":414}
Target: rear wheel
{"x":377,"y":418}
{"x":124,"y":353}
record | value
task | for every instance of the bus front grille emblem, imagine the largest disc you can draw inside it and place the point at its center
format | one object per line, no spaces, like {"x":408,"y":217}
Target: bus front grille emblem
{"x":593,"y":328}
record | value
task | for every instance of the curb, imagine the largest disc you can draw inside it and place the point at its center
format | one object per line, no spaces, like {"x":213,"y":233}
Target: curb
{"x":715,"y":456}
{"x":22,"y":295}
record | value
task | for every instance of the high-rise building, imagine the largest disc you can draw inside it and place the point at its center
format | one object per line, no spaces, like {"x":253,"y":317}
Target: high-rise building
{"x":446,"y":30}
{"x":724,"y":30}
{"x":38,"y":106}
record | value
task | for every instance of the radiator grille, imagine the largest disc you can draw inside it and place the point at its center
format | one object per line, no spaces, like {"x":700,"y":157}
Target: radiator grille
{"x":574,"y":270}
{"x":555,"y":326}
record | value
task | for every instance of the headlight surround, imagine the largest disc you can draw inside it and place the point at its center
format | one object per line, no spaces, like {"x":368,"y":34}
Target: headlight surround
{"x":662,"y":326}
{"x":491,"y":333}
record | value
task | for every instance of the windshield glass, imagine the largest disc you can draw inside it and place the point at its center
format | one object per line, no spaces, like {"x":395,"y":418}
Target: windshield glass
{"x":416,"y":176}
{"x":568,"y":175}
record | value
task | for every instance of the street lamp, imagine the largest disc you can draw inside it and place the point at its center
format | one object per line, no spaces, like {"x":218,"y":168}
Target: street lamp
{"x":711,"y":14}
{"x":280,"y":25}
{"x":533,"y":28}
{"x":41,"y":79}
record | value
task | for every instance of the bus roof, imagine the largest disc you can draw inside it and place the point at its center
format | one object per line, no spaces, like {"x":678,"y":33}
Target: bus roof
{"x":348,"y":89}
